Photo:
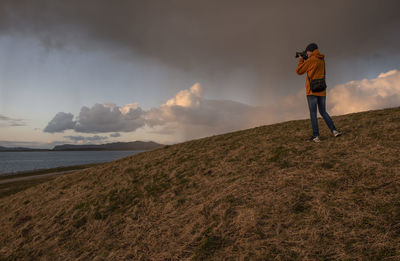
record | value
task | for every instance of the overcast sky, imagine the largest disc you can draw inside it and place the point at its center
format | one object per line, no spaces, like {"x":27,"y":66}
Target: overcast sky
{"x":97,"y":71}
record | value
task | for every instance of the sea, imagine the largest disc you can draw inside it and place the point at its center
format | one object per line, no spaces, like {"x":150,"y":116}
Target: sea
{"x":16,"y":161}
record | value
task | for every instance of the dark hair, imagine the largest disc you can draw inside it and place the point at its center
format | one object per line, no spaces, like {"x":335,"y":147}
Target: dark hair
{"x":311,"y":47}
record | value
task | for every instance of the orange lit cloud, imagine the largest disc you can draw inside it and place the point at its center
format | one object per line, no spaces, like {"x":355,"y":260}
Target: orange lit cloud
{"x":366,"y":94}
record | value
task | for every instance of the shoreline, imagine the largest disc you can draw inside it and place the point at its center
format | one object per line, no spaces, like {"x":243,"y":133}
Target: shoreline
{"x":37,"y":176}
{"x":40,"y":172}
{"x":33,"y":172}
{"x":12,"y":183}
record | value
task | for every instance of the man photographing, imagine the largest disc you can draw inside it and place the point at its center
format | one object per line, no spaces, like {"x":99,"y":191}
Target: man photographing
{"x":314,"y":66}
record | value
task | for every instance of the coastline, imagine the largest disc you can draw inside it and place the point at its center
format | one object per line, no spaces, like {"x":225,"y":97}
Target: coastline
{"x":43,"y":169}
{"x":12,"y":183}
{"x":28,"y":173}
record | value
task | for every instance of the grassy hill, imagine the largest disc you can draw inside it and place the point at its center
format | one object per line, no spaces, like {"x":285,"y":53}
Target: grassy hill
{"x":261,"y":193}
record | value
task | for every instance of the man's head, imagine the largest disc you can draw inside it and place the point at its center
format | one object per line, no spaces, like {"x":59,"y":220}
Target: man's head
{"x":310,"y":48}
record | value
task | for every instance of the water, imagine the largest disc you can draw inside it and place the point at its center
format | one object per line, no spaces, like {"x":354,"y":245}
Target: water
{"x":22,"y":160}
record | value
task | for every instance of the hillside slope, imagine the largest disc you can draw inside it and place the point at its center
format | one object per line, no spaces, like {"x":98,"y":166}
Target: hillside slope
{"x":261,"y":193}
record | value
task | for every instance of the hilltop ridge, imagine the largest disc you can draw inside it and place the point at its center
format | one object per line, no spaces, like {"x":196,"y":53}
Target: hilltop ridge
{"x":260,"y":193}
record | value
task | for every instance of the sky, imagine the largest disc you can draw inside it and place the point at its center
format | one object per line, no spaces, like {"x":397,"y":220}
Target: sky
{"x":95,"y":71}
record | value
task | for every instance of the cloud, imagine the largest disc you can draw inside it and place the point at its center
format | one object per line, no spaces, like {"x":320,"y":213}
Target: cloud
{"x":180,"y":106}
{"x":125,"y":109}
{"x":187,"y":98}
{"x":115,"y":135}
{"x":187,"y":112}
{"x":62,"y":121}
{"x":366,"y":94}
{"x":190,"y":115}
{"x":105,"y":117}
{"x":108,"y":118}
{"x":354,"y":96}
{"x":10,"y":122}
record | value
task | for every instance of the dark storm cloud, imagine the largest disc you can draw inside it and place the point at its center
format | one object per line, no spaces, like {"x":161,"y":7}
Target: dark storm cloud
{"x":61,"y":121}
{"x":115,"y":135}
{"x":99,"y":118}
{"x":216,"y":36}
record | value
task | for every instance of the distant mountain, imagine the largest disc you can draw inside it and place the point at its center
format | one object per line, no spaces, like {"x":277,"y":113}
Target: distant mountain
{"x":134,"y":145}
{"x":20,"y":149}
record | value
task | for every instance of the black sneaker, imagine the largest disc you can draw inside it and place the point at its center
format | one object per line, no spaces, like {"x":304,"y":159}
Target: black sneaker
{"x":314,"y":139}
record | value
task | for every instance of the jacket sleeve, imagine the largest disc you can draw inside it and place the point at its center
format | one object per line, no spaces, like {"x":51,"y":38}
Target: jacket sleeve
{"x":303,"y":67}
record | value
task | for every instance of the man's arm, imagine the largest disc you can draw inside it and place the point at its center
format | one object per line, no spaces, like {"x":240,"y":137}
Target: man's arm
{"x":302,"y":67}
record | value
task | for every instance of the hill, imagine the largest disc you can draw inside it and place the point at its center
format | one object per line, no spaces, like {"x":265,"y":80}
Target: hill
{"x":7,"y":149}
{"x":134,"y":145}
{"x":260,"y":193}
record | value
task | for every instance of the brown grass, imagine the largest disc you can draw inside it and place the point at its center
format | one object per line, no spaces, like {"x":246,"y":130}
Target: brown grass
{"x":257,"y":194}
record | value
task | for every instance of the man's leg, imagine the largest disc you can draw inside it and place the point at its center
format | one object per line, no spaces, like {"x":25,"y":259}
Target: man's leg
{"x":324,"y":114}
{"x":312,"y":106}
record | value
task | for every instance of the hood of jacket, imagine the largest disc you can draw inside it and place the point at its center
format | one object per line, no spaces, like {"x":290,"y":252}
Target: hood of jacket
{"x":317,"y":54}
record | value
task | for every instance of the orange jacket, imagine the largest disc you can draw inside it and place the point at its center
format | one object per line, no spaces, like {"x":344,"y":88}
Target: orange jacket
{"x":314,"y":67}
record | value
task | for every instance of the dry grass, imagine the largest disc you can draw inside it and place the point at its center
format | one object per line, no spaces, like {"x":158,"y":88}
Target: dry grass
{"x":257,"y":194}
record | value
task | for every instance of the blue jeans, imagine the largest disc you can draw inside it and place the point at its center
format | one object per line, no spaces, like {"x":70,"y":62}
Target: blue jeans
{"x":313,"y":101}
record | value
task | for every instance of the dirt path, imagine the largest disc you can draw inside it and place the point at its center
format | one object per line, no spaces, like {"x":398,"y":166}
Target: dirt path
{"x":38,"y":176}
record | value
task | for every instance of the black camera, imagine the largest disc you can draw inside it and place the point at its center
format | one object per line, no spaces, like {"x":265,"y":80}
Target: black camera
{"x":302,"y":54}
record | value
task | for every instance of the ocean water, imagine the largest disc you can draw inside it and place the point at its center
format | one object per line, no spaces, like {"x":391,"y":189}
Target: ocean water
{"x":21,"y":160}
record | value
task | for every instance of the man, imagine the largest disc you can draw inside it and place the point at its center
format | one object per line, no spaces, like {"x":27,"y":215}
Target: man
{"x":314,"y":66}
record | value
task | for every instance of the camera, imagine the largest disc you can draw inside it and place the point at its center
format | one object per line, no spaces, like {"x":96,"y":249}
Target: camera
{"x":302,"y":54}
